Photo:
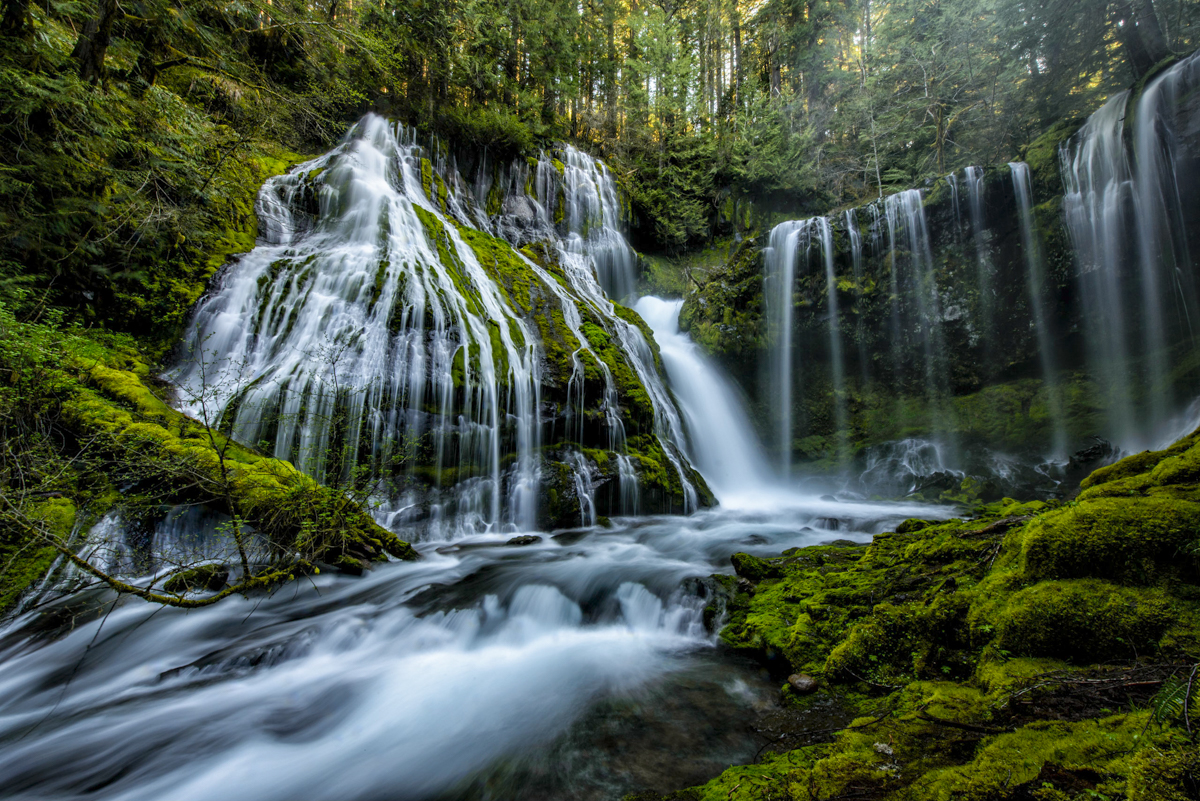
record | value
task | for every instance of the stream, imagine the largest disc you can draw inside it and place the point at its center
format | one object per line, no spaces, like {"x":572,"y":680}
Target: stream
{"x":578,"y":667}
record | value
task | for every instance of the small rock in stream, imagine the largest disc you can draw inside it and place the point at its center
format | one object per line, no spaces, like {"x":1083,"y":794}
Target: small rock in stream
{"x":802,"y":683}
{"x":526,"y":539}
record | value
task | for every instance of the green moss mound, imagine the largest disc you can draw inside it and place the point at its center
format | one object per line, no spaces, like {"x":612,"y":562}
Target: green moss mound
{"x":1020,"y":654}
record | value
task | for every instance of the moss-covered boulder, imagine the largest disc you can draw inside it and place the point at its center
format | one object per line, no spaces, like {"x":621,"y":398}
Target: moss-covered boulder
{"x":1015,"y":655}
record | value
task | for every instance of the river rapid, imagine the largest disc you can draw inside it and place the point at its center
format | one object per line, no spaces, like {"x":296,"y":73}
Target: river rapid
{"x":577,"y":667}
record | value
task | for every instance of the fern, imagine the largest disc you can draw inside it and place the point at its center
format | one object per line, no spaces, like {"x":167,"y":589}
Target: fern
{"x":1177,"y":693}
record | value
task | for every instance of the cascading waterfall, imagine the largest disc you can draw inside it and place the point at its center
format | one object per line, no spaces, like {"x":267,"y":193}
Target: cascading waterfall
{"x":1168,"y":285}
{"x":1129,"y":214}
{"x":346,"y":339}
{"x":909,"y":246}
{"x":837,"y":367}
{"x":722,"y":442}
{"x":365,"y":333}
{"x":593,"y":217}
{"x":787,"y":242}
{"x":1099,"y":191}
{"x":856,"y":264}
{"x":1035,"y":283}
{"x":973,"y":179}
{"x":780,"y":260}
{"x":595,"y":252}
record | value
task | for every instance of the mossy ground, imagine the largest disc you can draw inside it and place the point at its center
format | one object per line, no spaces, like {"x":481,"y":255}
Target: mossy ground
{"x":88,"y":432}
{"x":1014,"y":655}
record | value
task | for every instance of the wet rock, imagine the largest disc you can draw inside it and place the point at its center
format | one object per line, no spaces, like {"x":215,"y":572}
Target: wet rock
{"x":828,"y":498}
{"x":525,"y":539}
{"x":754,"y":569}
{"x":802,"y":683}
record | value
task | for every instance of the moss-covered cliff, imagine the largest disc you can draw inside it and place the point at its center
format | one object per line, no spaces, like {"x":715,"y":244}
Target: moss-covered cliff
{"x":1034,"y":651}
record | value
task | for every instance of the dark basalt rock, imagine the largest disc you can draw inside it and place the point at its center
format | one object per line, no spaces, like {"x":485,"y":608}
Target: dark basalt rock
{"x":525,"y":539}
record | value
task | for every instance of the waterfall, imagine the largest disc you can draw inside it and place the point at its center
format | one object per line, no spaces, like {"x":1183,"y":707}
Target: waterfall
{"x":1096,"y":204}
{"x":722,"y":441}
{"x":856,"y":264}
{"x":1169,"y":301}
{"x":599,"y":265}
{"x":780,"y":261}
{"x":973,"y":179}
{"x":365,"y":341}
{"x":347,"y":339}
{"x":1129,"y":216}
{"x":837,"y":368}
{"x":909,"y":247}
{"x":956,"y":206}
{"x":592,"y":218}
{"x":1035,"y":283}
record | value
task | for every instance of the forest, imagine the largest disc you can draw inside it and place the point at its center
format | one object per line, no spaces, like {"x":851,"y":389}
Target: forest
{"x":657,"y":400}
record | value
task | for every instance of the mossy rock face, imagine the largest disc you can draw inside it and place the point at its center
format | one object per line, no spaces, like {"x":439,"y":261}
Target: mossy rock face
{"x":113,"y":431}
{"x":25,"y":562}
{"x":1129,"y":540}
{"x":971,"y":648}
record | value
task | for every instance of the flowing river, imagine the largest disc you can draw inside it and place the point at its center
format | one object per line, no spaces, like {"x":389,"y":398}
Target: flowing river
{"x":576,"y":667}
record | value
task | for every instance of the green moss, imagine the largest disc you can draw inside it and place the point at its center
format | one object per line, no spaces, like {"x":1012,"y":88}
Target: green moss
{"x":504,"y":266}
{"x":127,"y":423}
{"x":1088,"y":620}
{"x":23,"y":560}
{"x":946,"y":623}
{"x":1135,"y":465}
{"x":1104,"y":748}
{"x":1129,"y":540}
{"x":1042,"y":157}
{"x":427,"y":178}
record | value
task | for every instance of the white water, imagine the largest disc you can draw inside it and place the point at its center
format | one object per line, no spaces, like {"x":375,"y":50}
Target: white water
{"x":528,"y":670}
{"x":1037,"y":291}
{"x":1130,"y":201}
{"x":359,"y":334}
{"x":722,"y":443}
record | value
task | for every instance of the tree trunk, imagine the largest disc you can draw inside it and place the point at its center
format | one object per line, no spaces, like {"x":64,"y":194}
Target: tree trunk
{"x":93,"y":42}
{"x":1150,"y":31}
{"x":736,"y":19}
{"x":1136,"y":55}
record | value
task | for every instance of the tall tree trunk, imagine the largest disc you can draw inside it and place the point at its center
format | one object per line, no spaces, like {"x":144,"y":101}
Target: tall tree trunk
{"x":93,"y":42}
{"x":610,"y":70}
{"x":1136,"y":55}
{"x":775,"y":80}
{"x":735,"y":17}
{"x":1150,"y":31}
